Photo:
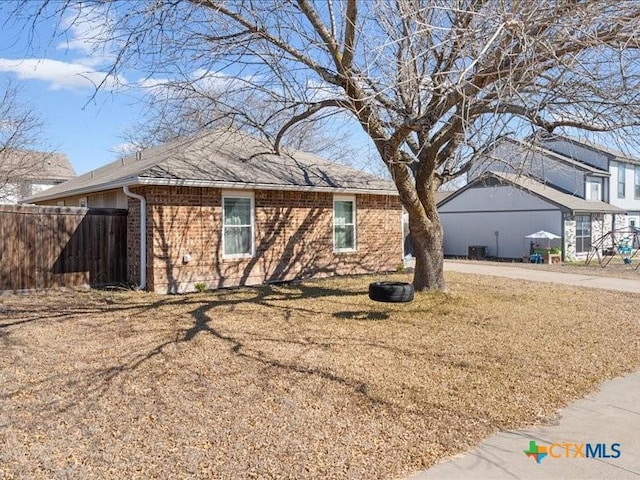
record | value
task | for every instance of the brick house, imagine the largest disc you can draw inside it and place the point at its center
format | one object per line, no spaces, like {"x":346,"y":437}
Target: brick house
{"x":216,"y":209}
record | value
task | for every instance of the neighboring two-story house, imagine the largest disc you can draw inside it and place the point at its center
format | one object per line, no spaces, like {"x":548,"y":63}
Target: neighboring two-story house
{"x":623,"y":186}
{"x":573,"y":189}
{"x":24,"y":173}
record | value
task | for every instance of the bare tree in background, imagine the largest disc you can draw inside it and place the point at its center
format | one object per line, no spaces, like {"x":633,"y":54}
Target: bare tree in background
{"x":430,"y":82}
{"x":19,"y":129}
{"x":182,"y":112}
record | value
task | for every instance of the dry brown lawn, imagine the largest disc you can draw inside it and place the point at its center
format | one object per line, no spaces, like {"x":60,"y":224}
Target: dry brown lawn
{"x":296,"y":381}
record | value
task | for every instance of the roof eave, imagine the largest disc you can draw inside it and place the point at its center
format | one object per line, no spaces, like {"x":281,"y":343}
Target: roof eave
{"x":261,"y":186}
{"x":561,"y":206}
{"x":132,"y":181}
{"x":121,"y":182}
{"x":585,"y":211}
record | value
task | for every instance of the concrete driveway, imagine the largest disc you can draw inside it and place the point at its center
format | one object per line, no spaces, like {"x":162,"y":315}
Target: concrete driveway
{"x":588,"y":281}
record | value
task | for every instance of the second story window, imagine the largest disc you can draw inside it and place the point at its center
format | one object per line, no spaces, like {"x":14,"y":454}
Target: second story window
{"x":593,"y":191}
{"x":621,"y":180}
{"x":636,"y":186}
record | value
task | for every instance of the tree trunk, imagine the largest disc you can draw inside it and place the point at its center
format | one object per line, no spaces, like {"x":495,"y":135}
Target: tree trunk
{"x":427,"y":236}
{"x":424,"y":221}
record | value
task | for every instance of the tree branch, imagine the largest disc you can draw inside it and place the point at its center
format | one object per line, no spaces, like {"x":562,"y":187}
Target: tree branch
{"x":313,"y":109}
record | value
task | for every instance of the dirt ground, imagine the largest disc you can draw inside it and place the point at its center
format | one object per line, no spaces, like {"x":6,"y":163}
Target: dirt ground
{"x":304,"y":380}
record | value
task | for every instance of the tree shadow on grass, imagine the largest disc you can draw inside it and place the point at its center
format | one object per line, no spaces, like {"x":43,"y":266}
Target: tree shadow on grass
{"x":202,"y":325}
{"x":97,"y":381}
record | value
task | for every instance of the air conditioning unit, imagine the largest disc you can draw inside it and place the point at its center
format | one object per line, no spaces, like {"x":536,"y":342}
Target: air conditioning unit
{"x":477,"y":252}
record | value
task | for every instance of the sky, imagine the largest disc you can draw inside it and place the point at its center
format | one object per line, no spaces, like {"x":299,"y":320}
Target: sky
{"x":59,"y":63}
{"x":57,"y":78}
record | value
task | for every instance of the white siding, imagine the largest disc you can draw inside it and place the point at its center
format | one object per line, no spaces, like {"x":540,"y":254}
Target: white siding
{"x":462,"y":230}
{"x":474,"y":217}
{"x":628,"y":202}
{"x":40,"y":187}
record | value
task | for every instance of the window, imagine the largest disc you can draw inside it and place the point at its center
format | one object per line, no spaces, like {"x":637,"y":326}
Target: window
{"x":636,"y":182}
{"x":237,"y":225}
{"x":593,"y":191}
{"x":344,"y":224}
{"x":583,"y":233}
{"x":621,"y":178}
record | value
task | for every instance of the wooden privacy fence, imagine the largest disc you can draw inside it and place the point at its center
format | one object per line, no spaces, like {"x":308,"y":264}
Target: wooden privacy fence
{"x":45,"y":247}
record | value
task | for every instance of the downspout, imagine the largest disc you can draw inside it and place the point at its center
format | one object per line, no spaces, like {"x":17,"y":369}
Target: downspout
{"x":143,"y":235}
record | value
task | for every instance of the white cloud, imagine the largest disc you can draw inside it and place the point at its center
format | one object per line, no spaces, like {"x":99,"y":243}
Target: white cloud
{"x":60,"y":75}
{"x":90,"y":32}
{"x":124,"y":149}
{"x":198,"y":82}
{"x":318,"y":91}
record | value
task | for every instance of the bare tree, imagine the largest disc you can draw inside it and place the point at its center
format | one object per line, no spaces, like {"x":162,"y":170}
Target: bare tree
{"x":431,"y":82}
{"x":184,"y":111}
{"x":19,"y":129}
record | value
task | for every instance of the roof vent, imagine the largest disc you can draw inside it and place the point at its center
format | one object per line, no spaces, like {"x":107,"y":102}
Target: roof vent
{"x":138,"y":155}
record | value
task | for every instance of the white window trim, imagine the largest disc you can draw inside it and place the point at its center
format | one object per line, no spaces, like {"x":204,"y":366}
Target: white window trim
{"x":622,"y":168}
{"x":589,"y":236}
{"x":251,"y":197}
{"x":590,"y":184}
{"x":345,"y":198}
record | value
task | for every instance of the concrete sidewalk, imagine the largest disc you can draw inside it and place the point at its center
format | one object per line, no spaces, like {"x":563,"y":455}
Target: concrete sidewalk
{"x":610,"y":416}
{"x":483,"y":268}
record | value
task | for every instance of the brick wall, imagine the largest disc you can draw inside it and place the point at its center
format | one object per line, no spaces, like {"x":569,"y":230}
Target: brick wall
{"x":293,"y":238}
{"x":133,"y":239}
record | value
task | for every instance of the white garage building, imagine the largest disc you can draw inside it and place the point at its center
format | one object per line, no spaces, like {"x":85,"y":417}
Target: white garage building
{"x":497,"y":210}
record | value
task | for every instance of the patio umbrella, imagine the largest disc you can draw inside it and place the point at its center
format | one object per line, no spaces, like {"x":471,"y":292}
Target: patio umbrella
{"x":542,"y":234}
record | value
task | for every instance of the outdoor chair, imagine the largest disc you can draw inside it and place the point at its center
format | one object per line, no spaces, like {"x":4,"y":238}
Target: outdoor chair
{"x":535,"y":258}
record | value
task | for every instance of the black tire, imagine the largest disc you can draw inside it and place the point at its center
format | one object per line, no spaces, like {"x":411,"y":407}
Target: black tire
{"x":393,"y":292}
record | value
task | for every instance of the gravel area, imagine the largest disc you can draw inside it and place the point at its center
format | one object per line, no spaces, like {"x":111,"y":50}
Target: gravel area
{"x":308,"y":380}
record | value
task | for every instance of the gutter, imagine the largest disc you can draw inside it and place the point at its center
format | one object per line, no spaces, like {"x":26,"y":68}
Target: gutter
{"x":143,"y":235}
{"x":262,"y":186}
{"x":130,"y":181}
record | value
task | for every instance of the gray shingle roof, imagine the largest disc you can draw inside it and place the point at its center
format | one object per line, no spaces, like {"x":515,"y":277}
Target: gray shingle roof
{"x":223,"y":159}
{"x":32,"y":165}
{"x":516,"y":148}
{"x":610,"y":153}
{"x":563,"y":200}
